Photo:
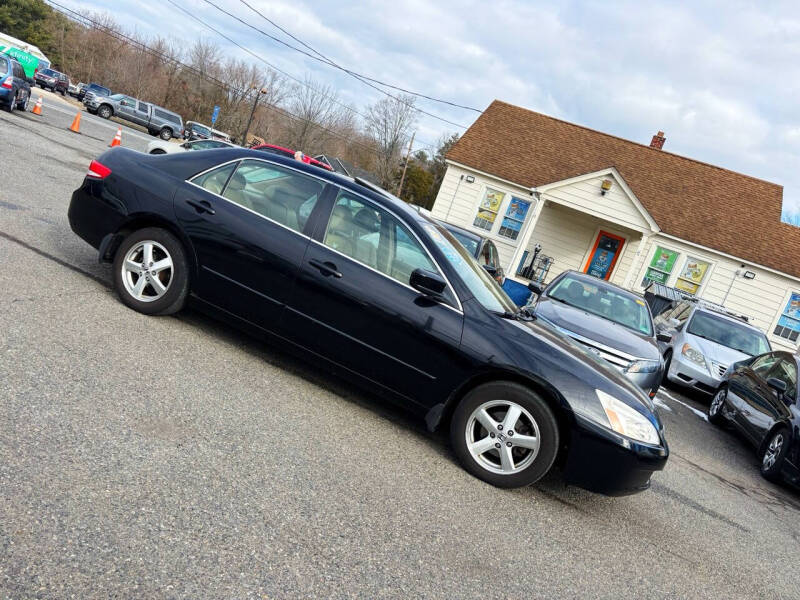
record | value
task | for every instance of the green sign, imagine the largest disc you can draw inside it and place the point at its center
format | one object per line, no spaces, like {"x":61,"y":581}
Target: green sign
{"x":28,"y":61}
{"x":662,"y":264}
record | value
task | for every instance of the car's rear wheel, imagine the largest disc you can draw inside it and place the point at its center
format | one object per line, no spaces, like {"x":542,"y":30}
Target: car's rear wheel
{"x":667,"y":364}
{"x":773,"y":453}
{"x":12,"y":104}
{"x":165,"y":134}
{"x":151,"y":274}
{"x":505,"y":434}
{"x":715,"y":415}
{"x":157,"y":151}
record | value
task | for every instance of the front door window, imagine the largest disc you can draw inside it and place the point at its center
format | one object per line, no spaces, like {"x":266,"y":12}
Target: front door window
{"x":605,"y":252}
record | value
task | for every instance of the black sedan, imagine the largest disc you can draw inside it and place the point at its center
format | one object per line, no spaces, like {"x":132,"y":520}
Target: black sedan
{"x":758,"y":397}
{"x":348,"y":275}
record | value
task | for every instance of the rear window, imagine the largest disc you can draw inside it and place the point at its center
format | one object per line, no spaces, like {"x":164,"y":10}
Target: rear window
{"x":3,"y":65}
{"x":49,"y":72}
{"x":162,"y":114}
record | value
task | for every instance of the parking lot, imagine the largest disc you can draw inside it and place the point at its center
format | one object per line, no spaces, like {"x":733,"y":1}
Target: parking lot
{"x":174,"y":457}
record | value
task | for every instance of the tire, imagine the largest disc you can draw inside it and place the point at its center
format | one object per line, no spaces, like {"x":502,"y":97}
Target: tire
{"x":64,"y":93}
{"x":173,"y":279}
{"x":104,"y":111}
{"x":157,"y":151}
{"x":715,"y":415}
{"x":165,"y":134}
{"x":11,"y":105}
{"x":667,"y":363}
{"x":23,"y":105}
{"x":773,"y":452}
{"x":480,"y":422}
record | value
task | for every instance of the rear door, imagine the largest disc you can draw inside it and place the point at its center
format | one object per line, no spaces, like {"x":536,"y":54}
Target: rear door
{"x":353,"y":303}
{"x":142,"y":113}
{"x":248,"y":222}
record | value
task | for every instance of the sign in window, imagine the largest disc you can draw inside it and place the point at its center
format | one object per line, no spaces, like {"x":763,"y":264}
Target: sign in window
{"x":661,"y":265}
{"x":515,"y":217}
{"x":692,"y":276}
{"x":487,"y":211}
{"x":788,"y":325}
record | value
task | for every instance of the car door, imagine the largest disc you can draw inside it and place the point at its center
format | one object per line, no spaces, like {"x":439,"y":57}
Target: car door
{"x":142,"y":113}
{"x":748,"y":395}
{"x":249,"y":240}
{"x":353,"y":303}
{"x":127,"y":108}
{"x":774,"y":406}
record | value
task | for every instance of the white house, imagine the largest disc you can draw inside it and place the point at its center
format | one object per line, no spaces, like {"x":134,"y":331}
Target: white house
{"x":626,"y":212}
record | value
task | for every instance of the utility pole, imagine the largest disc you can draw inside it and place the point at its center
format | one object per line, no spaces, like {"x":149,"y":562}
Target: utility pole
{"x":252,"y":112}
{"x":405,"y":166}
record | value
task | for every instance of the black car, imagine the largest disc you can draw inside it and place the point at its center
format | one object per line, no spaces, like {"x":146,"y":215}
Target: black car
{"x":53,"y":80}
{"x":758,"y":397}
{"x":15,"y":87}
{"x":483,"y":249}
{"x":337,"y":270}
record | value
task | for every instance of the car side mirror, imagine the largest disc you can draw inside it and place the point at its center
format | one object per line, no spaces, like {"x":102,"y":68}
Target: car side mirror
{"x":428,"y":283}
{"x":535,"y":288}
{"x":779,"y":385}
{"x":664,"y":337}
{"x":490,"y":269}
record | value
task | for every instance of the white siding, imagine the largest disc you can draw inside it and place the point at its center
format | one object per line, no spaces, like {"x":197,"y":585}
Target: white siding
{"x":615,"y":206}
{"x":761,"y":298}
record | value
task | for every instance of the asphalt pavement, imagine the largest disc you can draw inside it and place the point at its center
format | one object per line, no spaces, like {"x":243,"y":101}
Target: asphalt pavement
{"x":174,"y":457}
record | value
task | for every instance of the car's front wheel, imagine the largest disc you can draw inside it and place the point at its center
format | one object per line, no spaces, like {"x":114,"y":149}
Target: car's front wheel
{"x":105,"y":112}
{"x":773,"y":453}
{"x":505,"y":434}
{"x":151,"y":274}
{"x":715,"y":415}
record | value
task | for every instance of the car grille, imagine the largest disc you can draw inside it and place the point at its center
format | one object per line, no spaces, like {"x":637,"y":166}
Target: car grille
{"x":718,"y":368}
{"x":615,"y":357}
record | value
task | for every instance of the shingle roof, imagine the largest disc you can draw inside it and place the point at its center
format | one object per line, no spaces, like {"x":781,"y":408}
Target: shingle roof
{"x":692,"y":200}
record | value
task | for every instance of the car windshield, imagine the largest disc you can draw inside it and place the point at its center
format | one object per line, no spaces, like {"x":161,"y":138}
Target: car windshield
{"x":604,"y":301}
{"x":470,"y":243}
{"x":485,"y":289}
{"x":49,"y":72}
{"x":117,"y":96}
{"x":728,"y":333}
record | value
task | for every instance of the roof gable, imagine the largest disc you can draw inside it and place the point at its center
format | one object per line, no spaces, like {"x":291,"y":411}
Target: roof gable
{"x":691,"y":200}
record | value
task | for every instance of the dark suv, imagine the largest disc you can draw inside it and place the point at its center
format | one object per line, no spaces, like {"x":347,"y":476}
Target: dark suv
{"x":15,"y":87}
{"x":53,"y":80}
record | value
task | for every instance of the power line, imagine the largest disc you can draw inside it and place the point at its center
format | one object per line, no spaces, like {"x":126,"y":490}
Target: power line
{"x":82,"y":19}
{"x":322,"y":58}
{"x":280,"y":41}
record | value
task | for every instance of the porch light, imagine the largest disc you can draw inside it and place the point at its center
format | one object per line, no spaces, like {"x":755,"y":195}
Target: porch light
{"x":605,"y":186}
{"x":470,"y":179}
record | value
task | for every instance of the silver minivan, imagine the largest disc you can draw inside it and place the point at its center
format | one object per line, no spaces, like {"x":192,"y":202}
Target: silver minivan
{"x":706,"y":340}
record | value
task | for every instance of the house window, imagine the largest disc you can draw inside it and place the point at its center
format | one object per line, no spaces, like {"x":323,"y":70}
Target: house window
{"x":661,"y":266}
{"x":515,"y":216}
{"x":487,"y":211}
{"x":788,"y":325}
{"x":692,"y":276}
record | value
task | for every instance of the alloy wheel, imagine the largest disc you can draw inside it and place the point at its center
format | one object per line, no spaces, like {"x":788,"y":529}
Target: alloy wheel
{"x":502,"y":437}
{"x":716,"y":403}
{"x":773,"y":451}
{"x":147,"y":271}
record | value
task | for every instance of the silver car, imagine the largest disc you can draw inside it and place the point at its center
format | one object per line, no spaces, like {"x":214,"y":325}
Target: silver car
{"x":166,"y":147}
{"x":606,"y":320}
{"x":706,"y":340}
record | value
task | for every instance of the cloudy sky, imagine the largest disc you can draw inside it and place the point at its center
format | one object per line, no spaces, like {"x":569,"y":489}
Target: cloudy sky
{"x":722,"y":79}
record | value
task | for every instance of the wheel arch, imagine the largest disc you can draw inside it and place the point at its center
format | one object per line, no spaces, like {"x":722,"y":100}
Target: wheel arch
{"x":106,"y":104}
{"x":439,"y":416}
{"x":142,"y":220}
{"x":775,"y":426}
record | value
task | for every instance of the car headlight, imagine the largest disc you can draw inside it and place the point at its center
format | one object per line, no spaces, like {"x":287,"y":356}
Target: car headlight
{"x":643,"y":366}
{"x":693,"y":355}
{"x":627,"y":421}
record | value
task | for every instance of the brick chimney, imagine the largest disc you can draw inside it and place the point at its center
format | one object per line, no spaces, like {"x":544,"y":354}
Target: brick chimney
{"x":658,"y":141}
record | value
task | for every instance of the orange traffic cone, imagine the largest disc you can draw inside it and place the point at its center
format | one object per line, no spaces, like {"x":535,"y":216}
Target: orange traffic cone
{"x":117,"y":138}
{"x":37,"y":108}
{"x":76,"y":123}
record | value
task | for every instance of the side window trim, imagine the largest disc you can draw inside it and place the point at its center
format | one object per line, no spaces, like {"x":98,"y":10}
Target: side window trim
{"x":321,"y":229}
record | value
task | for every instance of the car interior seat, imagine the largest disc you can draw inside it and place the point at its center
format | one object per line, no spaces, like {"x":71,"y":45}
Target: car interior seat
{"x":339,"y":235}
{"x":366,"y":229}
{"x":236,"y":192}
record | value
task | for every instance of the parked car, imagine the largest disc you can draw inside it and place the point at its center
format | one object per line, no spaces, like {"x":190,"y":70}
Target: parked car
{"x":196,"y":131}
{"x":758,"y":396}
{"x":158,"y":121}
{"x":92,"y":90}
{"x":73,"y":88}
{"x":166,"y":147}
{"x":289,"y":252}
{"x":15,"y":87}
{"x":706,"y":339}
{"x":216,"y":134}
{"x":483,"y":249}
{"x":53,"y":80}
{"x":607,"y":320}
{"x":281,"y":151}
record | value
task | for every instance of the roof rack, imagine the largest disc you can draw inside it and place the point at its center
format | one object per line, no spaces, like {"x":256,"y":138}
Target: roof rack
{"x":675,"y":295}
{"x":720,"y":309}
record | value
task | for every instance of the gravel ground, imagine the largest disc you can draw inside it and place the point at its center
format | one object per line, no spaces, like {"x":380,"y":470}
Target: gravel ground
{"x":176,"y":458}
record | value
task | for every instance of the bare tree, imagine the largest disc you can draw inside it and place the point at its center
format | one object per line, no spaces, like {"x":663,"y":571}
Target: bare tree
{"x":388,"y":123}
{"x":317,"y":109}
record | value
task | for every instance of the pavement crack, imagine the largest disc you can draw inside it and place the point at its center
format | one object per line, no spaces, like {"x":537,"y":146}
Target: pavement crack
{"x":662,"y":489}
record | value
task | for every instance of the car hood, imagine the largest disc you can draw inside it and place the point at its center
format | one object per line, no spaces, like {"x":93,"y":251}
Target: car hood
{"x":716,"y":352}
{"x":597,"y":329}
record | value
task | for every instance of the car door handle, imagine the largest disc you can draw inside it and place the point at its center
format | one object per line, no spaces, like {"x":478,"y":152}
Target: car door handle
{"x":326,"y":268}
{"x":201,"y":206}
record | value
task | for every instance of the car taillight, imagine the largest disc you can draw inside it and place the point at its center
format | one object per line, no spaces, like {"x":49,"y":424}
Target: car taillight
{"x":8,"y":83}
{"x":97,"y":170}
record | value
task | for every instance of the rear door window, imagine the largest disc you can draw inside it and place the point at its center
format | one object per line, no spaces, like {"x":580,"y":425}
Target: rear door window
{"x":4,"y":66}
{"x":214,"y":181}
{"x":143,"y":108}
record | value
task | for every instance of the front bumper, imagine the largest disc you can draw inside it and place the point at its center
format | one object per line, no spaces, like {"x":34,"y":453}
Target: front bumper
{"x":689,"y":374}
{"x":605,"y":462}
